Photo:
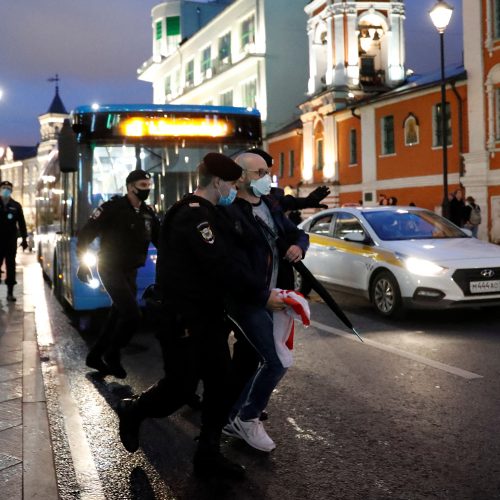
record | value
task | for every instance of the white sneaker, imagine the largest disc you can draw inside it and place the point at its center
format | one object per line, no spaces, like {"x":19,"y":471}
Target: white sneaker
{"x":229,"y":430}
{"x":253,"y":432}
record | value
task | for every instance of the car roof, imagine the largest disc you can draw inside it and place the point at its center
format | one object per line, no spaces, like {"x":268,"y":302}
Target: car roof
{"x":376,"y":208}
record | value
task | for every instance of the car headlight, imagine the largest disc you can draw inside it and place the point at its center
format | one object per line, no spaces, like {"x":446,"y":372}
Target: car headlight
{"x":423,"y":267}
{"x":89,"y":259}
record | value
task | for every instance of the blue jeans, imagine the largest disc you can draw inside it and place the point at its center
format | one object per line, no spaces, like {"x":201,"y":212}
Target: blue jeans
{"x":256,"y":323}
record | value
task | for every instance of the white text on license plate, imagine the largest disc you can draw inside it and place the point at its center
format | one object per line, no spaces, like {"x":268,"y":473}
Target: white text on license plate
{"x":485,"y":286}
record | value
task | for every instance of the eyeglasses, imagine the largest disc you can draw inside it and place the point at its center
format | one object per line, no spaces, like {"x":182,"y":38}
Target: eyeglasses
{"x":261,"y":172}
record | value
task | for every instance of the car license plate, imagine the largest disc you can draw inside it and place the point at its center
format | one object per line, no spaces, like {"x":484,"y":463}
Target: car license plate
{"x":485,"y":286}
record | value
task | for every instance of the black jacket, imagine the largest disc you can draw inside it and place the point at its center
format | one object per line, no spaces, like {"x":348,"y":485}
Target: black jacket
{"x":12,"y":218}
{"x":125,"y":233}
{"x":256,"y":246}
{"x":458,"y":212}
{"x":200,"y":261}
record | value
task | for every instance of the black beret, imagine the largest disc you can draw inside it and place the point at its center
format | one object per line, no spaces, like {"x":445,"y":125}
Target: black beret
{"x":137,"y":175}
{"x":267,"y":157}
{"x":6,"y":183}
{"x":221,"y":166}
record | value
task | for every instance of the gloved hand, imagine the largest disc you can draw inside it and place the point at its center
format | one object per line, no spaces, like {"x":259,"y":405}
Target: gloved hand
{"x":24,"y":244}
{"x":314,"y":198}
{"x":83,"y":273}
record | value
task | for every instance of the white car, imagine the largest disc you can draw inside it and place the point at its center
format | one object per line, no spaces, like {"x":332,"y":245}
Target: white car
{"x":401,"y":257}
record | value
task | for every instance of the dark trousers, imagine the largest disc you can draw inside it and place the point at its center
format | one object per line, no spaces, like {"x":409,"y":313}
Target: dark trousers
{"x":124,"y":316}
{"x":195,"y":346}
{"x":8,"y":250}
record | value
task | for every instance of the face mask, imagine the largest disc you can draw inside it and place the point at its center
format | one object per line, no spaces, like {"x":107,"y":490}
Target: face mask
{"x":142,"y":194}
{"x":224,"y":201}
{"x":262,"y":186}
{"x":6,"y":193}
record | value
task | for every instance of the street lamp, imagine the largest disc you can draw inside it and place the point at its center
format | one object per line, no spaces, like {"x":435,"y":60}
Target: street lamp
{"x":440,"y":15}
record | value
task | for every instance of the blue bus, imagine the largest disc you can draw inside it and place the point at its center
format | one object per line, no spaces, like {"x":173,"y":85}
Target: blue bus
{"x":108,"y":142}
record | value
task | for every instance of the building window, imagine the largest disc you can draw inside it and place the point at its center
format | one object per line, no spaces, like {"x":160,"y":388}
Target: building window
{"x":226,"y":99}
{"x":353,"y":147}
{"x":496,"y":19}
{"x":281,"y":165}
{"x":173,"y":26}
{"x":206,"y":60}
{"x":412,"y":130}
{"x":168,"y":86}
{"x":225,"y":47}
{"x":437,"y":135}
{"x":247,"y":31}
{"x":158,"y":30}
{"x":388,"y":135}
{"x":190,"y":73}
{"x":291,"y":163}
{"x":319,"y":154}
{"x":249,"y":94}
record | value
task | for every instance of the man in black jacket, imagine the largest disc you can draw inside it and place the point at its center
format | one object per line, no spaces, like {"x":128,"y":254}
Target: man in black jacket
{"x":11,"y":219}
{"x":126,"y":226}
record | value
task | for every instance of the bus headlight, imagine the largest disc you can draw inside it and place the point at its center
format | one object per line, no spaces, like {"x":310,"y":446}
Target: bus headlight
{"x":89,"y":259}
{"x":94,"y":283}
{"x":422,"y":267}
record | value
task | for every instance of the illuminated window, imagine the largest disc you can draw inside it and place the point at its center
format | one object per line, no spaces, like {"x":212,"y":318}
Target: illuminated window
{"x":319,"y":154}
{"x":412,"y":130}
{"x":248,"y":31}
{"x":249,"y":94}
{"x":190,"y":73}
{"x":437,"y":125}
{"x":206,"y":59}
{"x":291,"y":163}
{"x":388,"y":147}
{"x":353,"y":147}
{"x":281,"y":165}
{"x":158,"y":30}
{"x":226,"y":99}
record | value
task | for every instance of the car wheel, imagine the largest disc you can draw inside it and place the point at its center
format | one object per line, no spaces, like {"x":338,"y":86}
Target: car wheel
{"x":385,"y":294}
{"x":300,"y":284}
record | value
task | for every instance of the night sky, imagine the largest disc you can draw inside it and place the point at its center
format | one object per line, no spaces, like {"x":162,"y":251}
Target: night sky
{"x":96,"y":47}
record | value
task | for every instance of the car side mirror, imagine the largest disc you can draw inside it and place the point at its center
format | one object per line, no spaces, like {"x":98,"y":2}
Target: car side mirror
{"x":357,"y":237}
{"x":68,"y":149}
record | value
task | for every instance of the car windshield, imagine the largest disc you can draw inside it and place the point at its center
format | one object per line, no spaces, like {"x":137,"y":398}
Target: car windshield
{"x":411,"y":225}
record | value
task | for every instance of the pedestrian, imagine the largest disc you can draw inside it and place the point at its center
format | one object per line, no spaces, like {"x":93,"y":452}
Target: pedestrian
{"x":257,"y":368}
{"x":125,"y":226}
{"x":382,"y":199}
{"x":472,"y":215}
{"x":392,"y":201}
{"x":457,"y":209}
{"x":194,"y":274}
{"x":11,"y":223}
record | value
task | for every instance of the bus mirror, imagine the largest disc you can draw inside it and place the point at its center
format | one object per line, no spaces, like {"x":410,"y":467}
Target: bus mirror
{"x":68,"y":152}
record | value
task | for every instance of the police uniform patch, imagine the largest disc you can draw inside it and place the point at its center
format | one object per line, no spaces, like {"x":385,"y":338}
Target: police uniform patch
{"x":96,"y":213}
{"x":10,"y":216}
{"x":206,"y":232}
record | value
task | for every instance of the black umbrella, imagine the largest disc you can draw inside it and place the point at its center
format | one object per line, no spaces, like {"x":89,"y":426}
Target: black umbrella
{"x":309,"y":277}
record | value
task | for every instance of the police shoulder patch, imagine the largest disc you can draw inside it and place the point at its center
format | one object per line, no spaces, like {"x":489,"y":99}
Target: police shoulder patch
{"x":96,"y":213}
{"x":194,"y":205}
{"x":206,"y":232}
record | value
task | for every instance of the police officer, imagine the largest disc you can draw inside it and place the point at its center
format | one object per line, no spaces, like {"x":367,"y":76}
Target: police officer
{"x":11,"y":219}
{"x":193,"y":276}
{"x":126,"y":226}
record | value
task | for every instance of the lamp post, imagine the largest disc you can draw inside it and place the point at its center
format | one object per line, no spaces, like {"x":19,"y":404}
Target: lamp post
{"x":440,"y":15}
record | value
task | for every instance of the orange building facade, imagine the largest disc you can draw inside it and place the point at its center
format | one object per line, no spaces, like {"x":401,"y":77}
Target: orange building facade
{"x":368,"y":130}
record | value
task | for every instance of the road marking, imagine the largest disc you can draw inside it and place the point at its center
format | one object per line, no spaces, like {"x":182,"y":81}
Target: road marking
{"x":404,"y":354}
{"x":83,"y":461}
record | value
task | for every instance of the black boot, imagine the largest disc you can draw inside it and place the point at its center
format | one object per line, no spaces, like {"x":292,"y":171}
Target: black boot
{"x":112,"y":360}
{"x":10,"y":293}
{"x":210,"y":463}
{"x":130,"y":423}
{"x":94,"y":360}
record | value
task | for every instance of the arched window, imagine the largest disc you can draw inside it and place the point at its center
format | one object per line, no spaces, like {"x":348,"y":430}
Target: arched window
{"x":412,"y":130}
{"x":319,"y":145}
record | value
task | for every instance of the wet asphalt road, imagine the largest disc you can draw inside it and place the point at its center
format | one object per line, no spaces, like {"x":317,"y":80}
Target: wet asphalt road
{"x":350,"y":420}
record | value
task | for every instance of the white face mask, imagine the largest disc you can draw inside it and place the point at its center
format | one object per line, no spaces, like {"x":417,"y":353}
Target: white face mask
{"x":262,"y":186}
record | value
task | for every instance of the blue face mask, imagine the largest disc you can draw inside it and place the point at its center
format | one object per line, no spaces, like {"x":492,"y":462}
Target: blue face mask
{"x":224,"y":201}
{"x":6,"y":193}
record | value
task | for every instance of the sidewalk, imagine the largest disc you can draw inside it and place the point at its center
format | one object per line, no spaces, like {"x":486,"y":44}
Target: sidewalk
{"x":26,"y":460}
